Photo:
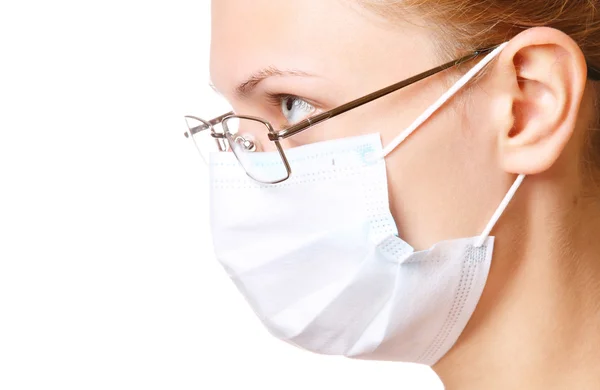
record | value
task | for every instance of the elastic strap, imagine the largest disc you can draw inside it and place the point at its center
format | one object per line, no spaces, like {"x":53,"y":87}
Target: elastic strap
{"x":433,"y":108}
{"x":500,"y":210}
{"x":443,"y":99}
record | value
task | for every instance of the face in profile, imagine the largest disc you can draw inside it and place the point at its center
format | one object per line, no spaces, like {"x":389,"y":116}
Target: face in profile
{"x":520,"y":122}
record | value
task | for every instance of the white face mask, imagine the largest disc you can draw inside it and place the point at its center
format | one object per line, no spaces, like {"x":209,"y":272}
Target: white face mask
{"x":319,"y":259}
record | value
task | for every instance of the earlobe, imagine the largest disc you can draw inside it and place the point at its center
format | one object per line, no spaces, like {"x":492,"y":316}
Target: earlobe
{"x":546,"y":72}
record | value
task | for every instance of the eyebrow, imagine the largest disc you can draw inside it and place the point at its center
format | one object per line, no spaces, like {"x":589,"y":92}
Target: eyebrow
{"x":246,"y":87}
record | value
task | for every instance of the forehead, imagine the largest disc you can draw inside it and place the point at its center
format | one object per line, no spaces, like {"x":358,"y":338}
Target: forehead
{"x":315,"y":36}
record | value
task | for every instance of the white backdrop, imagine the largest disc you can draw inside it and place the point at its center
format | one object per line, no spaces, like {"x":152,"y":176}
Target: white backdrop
{"x":107,"y":277}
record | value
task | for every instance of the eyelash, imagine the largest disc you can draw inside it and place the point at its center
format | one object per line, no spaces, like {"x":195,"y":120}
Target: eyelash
{"x":275,"y":100}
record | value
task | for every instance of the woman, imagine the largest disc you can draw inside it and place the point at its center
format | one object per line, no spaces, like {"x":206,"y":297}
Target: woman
{"x":368,"y":229}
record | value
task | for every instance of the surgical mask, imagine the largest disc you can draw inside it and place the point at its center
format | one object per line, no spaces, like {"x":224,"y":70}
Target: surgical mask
{"x":319,"y":259}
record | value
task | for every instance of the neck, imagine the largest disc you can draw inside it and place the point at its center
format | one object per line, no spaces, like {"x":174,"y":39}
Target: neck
{"x":537,"y":324}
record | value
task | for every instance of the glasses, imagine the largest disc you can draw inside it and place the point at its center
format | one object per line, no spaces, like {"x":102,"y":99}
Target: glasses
{"x":245,"y":135}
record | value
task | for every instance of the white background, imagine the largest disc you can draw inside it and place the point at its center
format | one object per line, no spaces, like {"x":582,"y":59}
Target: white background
{"x":107,"y":277}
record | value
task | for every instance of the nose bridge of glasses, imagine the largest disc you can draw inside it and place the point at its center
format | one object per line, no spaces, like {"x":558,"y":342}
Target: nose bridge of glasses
{"x":195,"y":125}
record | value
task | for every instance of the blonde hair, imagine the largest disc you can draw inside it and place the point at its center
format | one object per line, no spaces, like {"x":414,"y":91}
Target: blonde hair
{"x":474,"y":24}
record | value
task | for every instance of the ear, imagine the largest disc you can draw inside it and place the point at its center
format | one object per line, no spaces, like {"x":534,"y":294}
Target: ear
{"x":543,"y":75}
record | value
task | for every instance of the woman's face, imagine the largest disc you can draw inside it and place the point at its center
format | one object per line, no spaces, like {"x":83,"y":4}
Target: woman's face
{"x":311,"y":56}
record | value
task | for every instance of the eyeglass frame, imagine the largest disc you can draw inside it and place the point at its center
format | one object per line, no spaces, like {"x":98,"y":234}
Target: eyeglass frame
{"x":276,"y":136}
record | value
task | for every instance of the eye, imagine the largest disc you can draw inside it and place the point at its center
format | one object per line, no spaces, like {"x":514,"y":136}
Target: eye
{"x":295,"y":109}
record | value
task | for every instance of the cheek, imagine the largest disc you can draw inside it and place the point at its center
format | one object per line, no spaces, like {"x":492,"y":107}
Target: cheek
{"x":438,"y":182}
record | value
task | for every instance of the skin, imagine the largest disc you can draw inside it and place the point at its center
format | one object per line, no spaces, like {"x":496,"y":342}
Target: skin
{"x":537,"y":324}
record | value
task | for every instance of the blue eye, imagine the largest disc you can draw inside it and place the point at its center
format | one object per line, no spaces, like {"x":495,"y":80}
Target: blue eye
{"x":295,"y":109}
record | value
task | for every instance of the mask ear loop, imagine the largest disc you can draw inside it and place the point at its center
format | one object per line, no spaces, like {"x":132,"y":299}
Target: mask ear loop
{"x":443,"y":99}
{"x":431,"y":110}
{"x":500,"y":210}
